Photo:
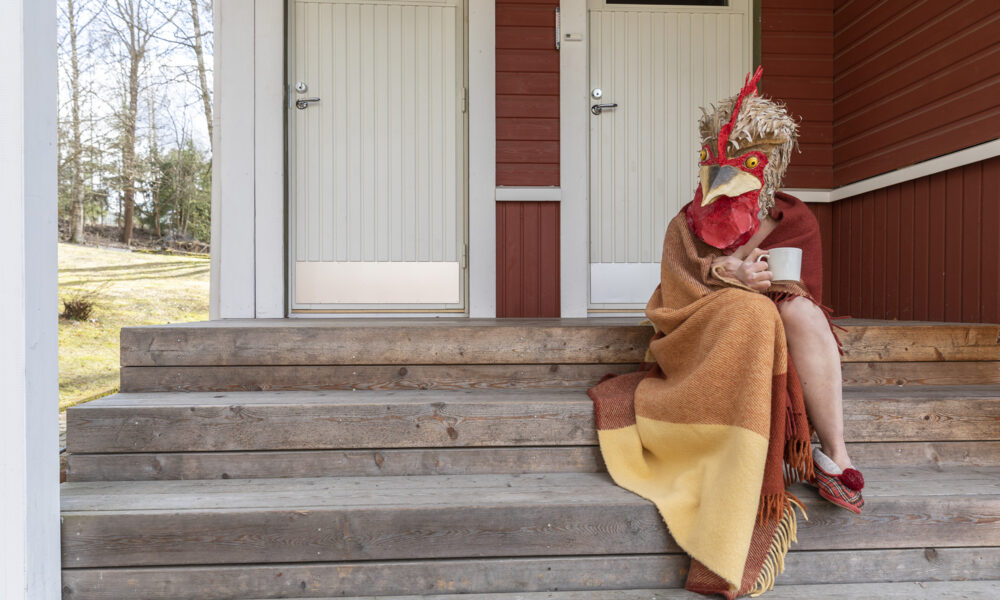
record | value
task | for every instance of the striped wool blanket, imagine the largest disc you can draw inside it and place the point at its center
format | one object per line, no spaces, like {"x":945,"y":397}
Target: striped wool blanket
{"x":715,"y":430}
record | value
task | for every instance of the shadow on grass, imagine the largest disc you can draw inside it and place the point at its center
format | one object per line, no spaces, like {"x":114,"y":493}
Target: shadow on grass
{"x":161,"y":265}
{"x":96,"y":280}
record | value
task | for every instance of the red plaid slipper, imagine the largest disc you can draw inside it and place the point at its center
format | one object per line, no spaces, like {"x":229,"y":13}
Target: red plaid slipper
{"x":843,"y":488}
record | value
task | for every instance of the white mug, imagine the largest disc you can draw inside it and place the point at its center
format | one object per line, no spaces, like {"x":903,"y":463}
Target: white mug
{"x":785,"y":264}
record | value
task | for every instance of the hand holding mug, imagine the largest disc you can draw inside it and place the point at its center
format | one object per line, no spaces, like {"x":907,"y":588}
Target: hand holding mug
{"x":752,"y":273}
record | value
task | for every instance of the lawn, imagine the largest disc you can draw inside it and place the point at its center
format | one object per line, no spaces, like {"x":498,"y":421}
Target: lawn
{"x":127,"y":288}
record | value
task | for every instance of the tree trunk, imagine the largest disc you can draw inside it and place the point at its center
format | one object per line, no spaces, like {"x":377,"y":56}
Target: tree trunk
{"x":76,"y":213}
{"x":128,"y":156}
{"x":202,"y":77}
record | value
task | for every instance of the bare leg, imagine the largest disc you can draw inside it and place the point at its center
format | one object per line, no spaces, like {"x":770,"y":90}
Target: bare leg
{"x":817,"y":360}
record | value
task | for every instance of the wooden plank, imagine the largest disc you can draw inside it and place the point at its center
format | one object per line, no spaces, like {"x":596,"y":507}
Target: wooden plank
{"x":991,"y":243}
{"x":916,"y":373}
{"x":370,"y":343}
{"x":527,"y":61}
{"x":332,"y":419}
{"x":528,"y":174}
{"x":333,"y":519}
{"x":906,"y":267}
{"x":950,"y":590}
{"x":546,"y":84}
{"x":328,"y":342}
{"x":972,"y":243}
{"x":383,"y":377}
{"x":935,"y":243}
{"x":337,"y":419}
{"x":511,"y":575}
{"x":452,"y":461}
{"x":954,"y":232}
{"x":333,"y":463}
{"x":920,"y":343}
{"x":943,"y":454}
{"x":527,"y":129}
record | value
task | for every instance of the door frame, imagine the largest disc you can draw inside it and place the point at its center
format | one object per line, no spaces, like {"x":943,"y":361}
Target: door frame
{"x":574,"y":65}
{"x":478,"y":210}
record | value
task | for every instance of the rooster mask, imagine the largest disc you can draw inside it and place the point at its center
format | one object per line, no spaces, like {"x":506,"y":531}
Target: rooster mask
{"x":742,"y":163}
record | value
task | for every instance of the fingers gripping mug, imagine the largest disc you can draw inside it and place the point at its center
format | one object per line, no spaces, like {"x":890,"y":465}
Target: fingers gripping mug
{"x":785,"y":264}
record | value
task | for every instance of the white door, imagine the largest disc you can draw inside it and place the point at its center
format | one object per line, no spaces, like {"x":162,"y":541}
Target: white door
{"x":377,"y":184}
{"x":659,"y":64}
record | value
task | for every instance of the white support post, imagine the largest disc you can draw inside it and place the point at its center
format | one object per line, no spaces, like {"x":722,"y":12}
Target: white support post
{"x":574,"y":169}
{"x":482,"y":160}
{"x":29,"y":403}
{"x":233,"y":211}
{"x":269,"y":157}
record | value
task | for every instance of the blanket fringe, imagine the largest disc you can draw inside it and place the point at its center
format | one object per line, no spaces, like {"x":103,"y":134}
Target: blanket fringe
{"x":784,"y":536}
{"x":798,"y":462}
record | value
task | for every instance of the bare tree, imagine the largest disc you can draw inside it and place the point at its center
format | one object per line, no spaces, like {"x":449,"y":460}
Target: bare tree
{"x":189,"y":33}
{"x":71,"y":12}
{"x":199,"y":52}
{"x":132,"y":25}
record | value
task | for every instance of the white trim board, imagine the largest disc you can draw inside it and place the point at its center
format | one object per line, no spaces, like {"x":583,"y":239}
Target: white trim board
{"x":248,"y":169}
{"x":29,"y":434}
{"x":482,"y":159}
{"x":953,"y":160}
{"x":548,"y":193}
{"x":574,"y":161}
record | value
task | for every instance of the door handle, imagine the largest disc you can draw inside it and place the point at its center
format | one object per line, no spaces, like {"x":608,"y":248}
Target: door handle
{"x":599,"y":108}
{"x":303,"y":103}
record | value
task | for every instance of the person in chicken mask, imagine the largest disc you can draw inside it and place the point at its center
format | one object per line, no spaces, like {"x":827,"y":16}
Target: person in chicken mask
{"x":741,"y":369}
{"x":738,"y":210}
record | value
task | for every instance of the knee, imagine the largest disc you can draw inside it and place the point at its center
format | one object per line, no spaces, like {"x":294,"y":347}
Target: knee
{"x":801,"y":314}
{"x":757,"y":307}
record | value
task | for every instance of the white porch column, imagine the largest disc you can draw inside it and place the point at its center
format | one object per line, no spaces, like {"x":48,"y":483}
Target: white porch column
{"x":482,"y":160}
{"x":574,"y":167}
{"x":248,"y":169}
{"x":29,"y":402}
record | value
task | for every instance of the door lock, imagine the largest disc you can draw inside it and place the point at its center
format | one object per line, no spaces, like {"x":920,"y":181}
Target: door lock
{"x":599,"y":108}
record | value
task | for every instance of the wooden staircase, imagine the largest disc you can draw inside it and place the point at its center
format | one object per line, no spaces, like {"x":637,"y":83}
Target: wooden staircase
{"x":458,"y":459}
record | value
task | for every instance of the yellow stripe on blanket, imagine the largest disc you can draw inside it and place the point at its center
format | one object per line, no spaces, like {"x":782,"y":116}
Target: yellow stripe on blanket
{"x":705,"y":480}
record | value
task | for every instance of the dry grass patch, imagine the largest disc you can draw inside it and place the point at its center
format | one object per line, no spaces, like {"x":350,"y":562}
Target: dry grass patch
{"x":126,"y":289}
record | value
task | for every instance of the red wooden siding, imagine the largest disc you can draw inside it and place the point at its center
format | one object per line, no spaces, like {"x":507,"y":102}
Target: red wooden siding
{"x":527,"y":93}
{"x":926,"y":249}
{"x":527,"y":105}
{"x":797,"y":56}
{"x":824,"y":215}
{"x":527,"y":259}
{"x":912,"y":81}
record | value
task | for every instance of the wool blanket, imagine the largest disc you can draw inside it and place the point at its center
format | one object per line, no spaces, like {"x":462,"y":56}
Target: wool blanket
{"x":714,"y":430}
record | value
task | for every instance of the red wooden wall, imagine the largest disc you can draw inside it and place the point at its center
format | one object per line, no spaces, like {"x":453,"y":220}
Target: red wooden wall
{"x":527,"y":127}
{"x":797,"y":56}
{"x":912,"y":81}
{"x":527,"y":259}
{"x":927,"y":249}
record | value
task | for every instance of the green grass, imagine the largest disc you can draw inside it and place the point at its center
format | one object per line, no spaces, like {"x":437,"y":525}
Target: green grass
{"x":128,"y":288}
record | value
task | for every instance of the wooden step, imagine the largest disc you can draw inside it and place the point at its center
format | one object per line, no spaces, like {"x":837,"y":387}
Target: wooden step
{"x":401,"y":342}
{"x":951,"y":590}
{"x":465,"y":377}
{"x":520,"y":575}
{"x":453,"y":461}
{"x":146,"y":523}
{"x":241,"y":421}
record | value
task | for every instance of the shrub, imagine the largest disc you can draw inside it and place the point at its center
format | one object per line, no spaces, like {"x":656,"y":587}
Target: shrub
{"x":77,"y":308}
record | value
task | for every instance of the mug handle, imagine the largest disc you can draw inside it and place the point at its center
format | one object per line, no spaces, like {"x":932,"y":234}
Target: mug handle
{"x":761,"y":257}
